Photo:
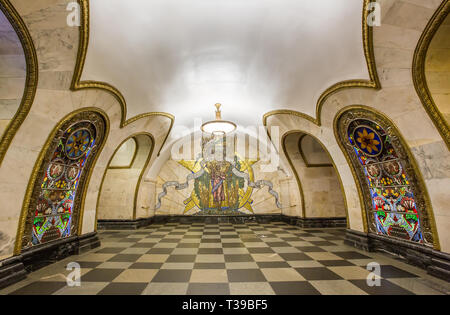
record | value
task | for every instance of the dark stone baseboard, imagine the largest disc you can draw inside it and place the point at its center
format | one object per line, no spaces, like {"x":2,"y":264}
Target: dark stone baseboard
{"x":214,"y":219}
{"x":12,"y":270}
{"x":17,"y":267}
{"x":337,"y":222}
{"x":436,"y":263}
{"x":124,"y":224}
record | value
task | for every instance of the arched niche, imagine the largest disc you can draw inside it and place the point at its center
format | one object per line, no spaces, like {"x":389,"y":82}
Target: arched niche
{"x":18,"y":74}
{"x":319,"y":183}
{"x":312,"y":152}
{"x":431,"y":69}
{"x":53,"y":207}
{"x":389,"y":182}
{"x":125,"y":156}
{"x":120,"y":185}
{"x":437,"y":68}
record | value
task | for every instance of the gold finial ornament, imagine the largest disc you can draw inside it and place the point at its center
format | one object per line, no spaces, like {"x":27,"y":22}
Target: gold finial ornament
{"x":218,"y":111}
{"x":218,"y":125}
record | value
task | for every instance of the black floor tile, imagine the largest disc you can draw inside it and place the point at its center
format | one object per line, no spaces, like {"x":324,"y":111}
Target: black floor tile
{"x":181,"y":258}
{"x":128,"y":240}
{"x":40,"y":288}
{"x":192,"y":236}
{"x":209,"y":266}
{"x":332,"y":238}
{"x":318,"y":273}
{"x":210,"y":251}
{"x":125,"y":257}
{"x":310,"y":249}
{"x":322,"y":243}
{"x":122,"y":288}
{"x":251,"y":240}
{"x":208,"y":289}
{"x":290,"y":239}
{"x":110,"y":250}
{"x":101,"y":275}
{"x":351,"y":255}
{"x":273,"y":264}
{"x":238,"y":258}
{"x":88,"y":264}
{"x":260,"y":250}
{"x":188,"y":245}
{"x":143,"y":265}
{"x":278,"y":244}
{"x":172,"y":275}
{"x":143,"y":245}
{"x":160,"y":251}
{"x":170,"y":240}
{"x":245,"y":275}
{"x":211,"y":240}
{"x":232,"y":245}
{"x":388,"y":271}
{"x":386,"y":288}
{"x":294,"y":256}
{"x":294,"y":288}
{"x":335,"y":263}
{"x":229,"y":236}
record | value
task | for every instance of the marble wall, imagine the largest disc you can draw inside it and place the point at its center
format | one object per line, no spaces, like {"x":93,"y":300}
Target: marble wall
{"x":12,"y":72}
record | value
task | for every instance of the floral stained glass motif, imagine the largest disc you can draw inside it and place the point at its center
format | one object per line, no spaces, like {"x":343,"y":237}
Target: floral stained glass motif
{"x":393,"y":203}
{"x":53,"y":213}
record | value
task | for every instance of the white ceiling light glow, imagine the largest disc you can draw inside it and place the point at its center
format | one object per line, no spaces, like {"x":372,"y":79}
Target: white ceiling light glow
{"x":218,"y":126}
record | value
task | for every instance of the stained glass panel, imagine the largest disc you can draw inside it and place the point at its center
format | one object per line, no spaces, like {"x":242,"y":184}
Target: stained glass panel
{"x":393,"y":202}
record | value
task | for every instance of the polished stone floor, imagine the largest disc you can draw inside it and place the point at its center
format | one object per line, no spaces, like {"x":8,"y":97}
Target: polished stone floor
{"x":244,"y":259}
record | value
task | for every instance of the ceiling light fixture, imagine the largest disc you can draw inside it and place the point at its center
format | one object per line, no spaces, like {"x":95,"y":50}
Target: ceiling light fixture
{"x":218,"y":125}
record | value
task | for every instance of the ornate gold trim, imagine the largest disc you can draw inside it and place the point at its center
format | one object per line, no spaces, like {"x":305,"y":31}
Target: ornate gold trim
{"x":373,"y":83}
{"x":138,"y":184}
{"x":410,"y":157}
{"x":299,"y":144}
{"x":133,"y":158}
{"x":89,"y":84}
{"x":418,"y":71}
{"x":31,"y":80}
{"x":38,"y":166}
{"x":297,"y":178}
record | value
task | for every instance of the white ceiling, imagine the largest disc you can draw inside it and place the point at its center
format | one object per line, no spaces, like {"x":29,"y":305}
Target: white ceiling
{"x":253,"y":56}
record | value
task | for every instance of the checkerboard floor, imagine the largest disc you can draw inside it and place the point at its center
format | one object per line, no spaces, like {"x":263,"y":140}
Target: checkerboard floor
{"x":213,"y":259}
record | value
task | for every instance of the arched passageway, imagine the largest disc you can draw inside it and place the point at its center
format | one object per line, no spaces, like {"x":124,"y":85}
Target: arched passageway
{"x":120,"y":184}
{"x":319,"y":184}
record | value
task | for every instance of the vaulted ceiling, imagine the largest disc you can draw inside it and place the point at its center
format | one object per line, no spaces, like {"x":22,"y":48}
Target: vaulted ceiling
{"x":253,"y":56}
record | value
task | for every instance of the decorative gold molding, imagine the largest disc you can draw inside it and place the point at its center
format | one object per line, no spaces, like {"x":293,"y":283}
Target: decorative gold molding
{"x":373,"y":83}
{"x":297,"y":178}
{"x":89,"y":84}
{"x":31,"y":80}
{"x":410,"y":157}
{"x":418,"y":71}
{"x":38,"y":165}
{"x":133,"y":158}
{"x":138,"y":184}
{"x":304,"y":156}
